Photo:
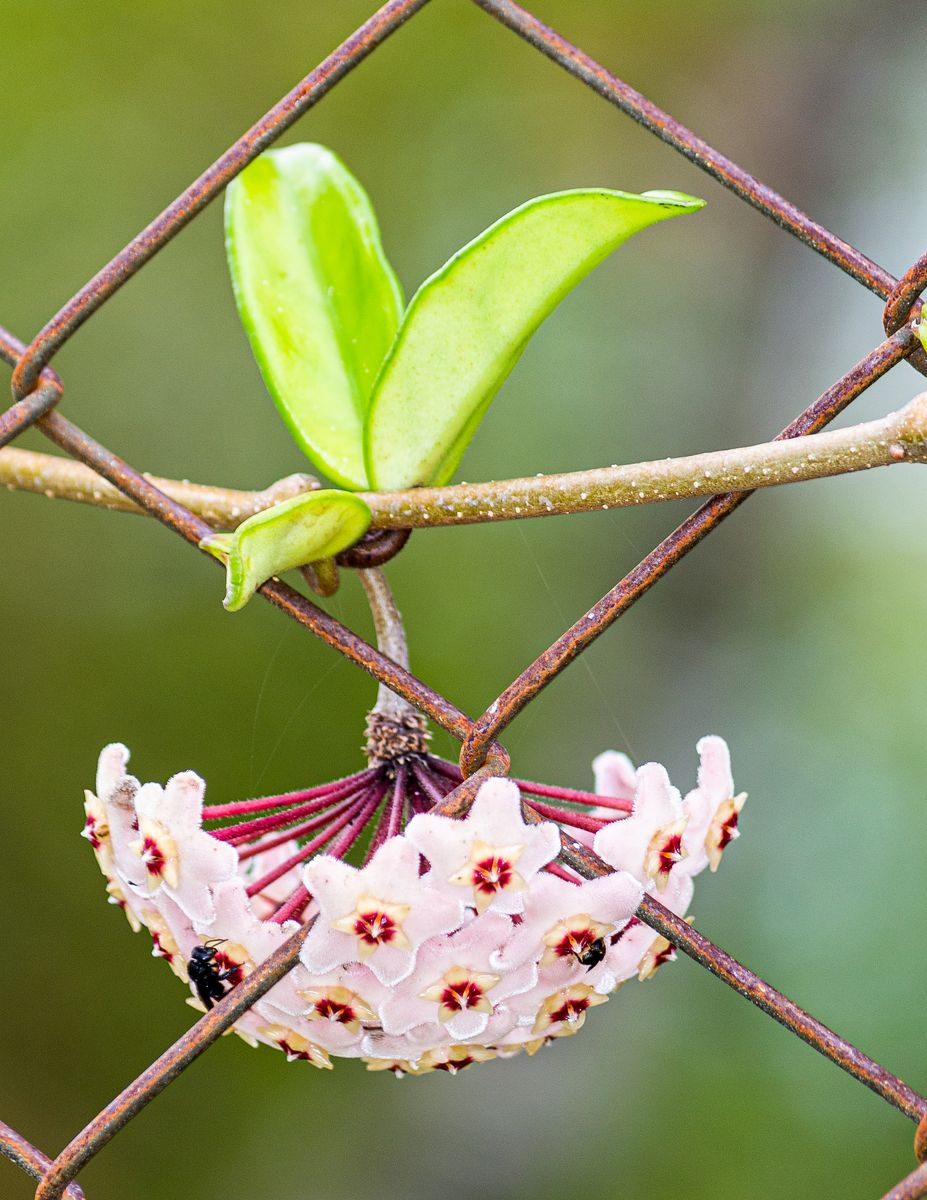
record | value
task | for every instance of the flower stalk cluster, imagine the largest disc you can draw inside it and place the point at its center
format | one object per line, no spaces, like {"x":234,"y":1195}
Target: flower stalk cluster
{"x":435,"y":942}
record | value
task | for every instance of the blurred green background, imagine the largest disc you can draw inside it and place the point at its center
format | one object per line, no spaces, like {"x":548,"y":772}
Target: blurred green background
{"x":796,"y":631}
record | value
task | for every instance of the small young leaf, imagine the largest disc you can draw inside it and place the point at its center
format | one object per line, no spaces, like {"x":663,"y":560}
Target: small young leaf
{"x":298,"y":531}
{"x":316,"y":295}
{"x":467,"y":325}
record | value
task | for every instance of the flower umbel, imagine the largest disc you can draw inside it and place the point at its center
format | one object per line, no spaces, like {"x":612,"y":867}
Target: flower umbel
{"x":446,"y":941}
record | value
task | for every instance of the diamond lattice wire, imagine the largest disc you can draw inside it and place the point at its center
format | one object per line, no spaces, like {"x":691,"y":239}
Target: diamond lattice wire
{"x":37,"y":391}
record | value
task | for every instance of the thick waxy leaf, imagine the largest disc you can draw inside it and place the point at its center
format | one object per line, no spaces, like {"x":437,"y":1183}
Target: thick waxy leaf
{"x":467,"y":325}
{"x":298,"y":531}
{"x":316,"y":295}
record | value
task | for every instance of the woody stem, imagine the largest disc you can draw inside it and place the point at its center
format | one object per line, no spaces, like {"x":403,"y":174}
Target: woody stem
{"x":393,"y":725}
{"x":898,"y":438}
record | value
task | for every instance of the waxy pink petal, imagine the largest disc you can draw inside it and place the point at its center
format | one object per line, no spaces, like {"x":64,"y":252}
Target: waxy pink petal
{"x":625,"y":952}
{"x":472,"y":948}
{"x":392,"y":877}
{"x":625,"y":844}
{"x":612,"y":899}
{"x":715,"y":788}
{"x":614,"y":775}
{"x":492,"y":840}
{"x":202,"y":861}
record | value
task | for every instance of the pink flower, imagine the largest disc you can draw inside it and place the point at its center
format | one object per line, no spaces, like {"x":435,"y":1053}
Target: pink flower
{"x":488,"y":858}
{"x":455,"y":984}
{"x":567,"y":920}
{"x":628,"y":949}
{"x":111,"y":824}
{"x":453,"y":942}
{"x":378,"y":915}
{"x":712,"y":808}
{"x":648,"y":843}
{"x":614,"y":775}
{"x":175,"y":851}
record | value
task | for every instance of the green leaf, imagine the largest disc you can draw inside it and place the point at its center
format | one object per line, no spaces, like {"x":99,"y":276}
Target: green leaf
{"x":316,"y":295}
{"x":467,"y":325}
{"x":298,"y":531}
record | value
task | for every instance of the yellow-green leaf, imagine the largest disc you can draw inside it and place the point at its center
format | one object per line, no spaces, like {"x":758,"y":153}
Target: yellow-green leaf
{"x":467,"y":325}
{"x":316,"y":295}
{"x":298,"y":531}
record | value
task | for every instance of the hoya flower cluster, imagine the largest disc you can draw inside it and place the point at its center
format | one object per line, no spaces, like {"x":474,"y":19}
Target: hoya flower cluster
{"x":454,"y":941}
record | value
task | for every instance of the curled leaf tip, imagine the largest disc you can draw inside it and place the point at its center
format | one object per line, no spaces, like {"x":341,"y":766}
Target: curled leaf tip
{"x":676,"y":199}
{"x":302,"y":530}
{"x":218,"y":545}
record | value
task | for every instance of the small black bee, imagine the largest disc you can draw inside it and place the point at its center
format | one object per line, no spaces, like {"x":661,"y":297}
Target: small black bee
{"x":205,"y":975}
{"x":593,"y":954}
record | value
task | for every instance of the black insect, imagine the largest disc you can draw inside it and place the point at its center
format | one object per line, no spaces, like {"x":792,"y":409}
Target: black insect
{"x":593,"y":954}
{"x":205,"y":975}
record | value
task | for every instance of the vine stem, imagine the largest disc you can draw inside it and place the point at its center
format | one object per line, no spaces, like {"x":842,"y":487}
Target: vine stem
{"x":899,"y":437}
{"x":391,"y":637}
{"x":66,"y":479}
{"x":394,"y":726}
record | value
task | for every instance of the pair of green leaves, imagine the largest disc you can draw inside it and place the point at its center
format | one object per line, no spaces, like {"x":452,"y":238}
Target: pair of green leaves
{"x":377,"y":395}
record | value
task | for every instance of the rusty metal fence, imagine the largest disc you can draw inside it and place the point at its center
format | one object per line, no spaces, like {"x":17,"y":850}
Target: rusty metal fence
{"x":38,"y":390}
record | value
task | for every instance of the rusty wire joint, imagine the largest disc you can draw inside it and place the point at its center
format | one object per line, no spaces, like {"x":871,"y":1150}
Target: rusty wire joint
{"x":37,"y":391}
{"x":21,"y":1152}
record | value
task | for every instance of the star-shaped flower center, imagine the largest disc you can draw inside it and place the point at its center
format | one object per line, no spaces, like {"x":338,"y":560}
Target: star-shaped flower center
{"x":626,"y":928}
{"x":576,"y":937}
{"x":398,"y":1066}
{"x":158,"y":851}
{"x":660,"y":951}
{"x":96,"y":825}
{"x":664,"y":851}
{"x":117,"y":896}
{"x":375,"y":923}
{"x":723,"y":828}
{"x":164,"y":945}
{"x":339,"y":1006}
{"x":460,"y":989}
{"x":295,"y":1046}
{"x":490,"y":870}
{"x":454,"y":1058}
{"x":567,"y":1008}
{"x":231,"y":960}
{"x":161,"y":946}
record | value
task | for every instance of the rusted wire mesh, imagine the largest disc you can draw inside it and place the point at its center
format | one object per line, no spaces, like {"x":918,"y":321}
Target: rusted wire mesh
{"x":37,"y":391}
